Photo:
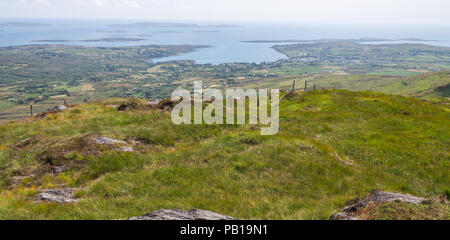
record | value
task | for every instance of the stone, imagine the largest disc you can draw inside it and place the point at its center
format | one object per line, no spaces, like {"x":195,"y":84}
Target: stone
{"x":57,"y":195}
{"x":107,"y":140}
{"x":59,"y":108}
{"x":175,"y":214}
{"x":59,"y":169}
{"x":341,"y":216}
{"x":154,"y":102}
{"x":126,"y":149}
{"x":375,"y":197}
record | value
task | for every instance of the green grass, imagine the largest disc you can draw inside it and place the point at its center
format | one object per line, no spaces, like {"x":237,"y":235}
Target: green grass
{"x":394,"y":143}
{"x":5,"y":104}
{"x":427,"y":86}
{"x":401,"y":73}
{"x":434,"y":210}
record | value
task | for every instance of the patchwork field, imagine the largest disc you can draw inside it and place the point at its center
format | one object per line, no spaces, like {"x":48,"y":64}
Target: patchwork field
{"x":41,"y":75}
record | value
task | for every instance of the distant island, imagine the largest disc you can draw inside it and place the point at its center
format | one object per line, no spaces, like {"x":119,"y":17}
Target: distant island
{"x":168,"y":32}
{"x":338,"y":40}
{"x":205,"y":31}
{"x":111,"y":31}
{"x":23,"y":24}
{"x":53,"y":41}
{"x":168,"y":24}
{"x":415,"y":40}
{"x":92,"y":40}
{"x":114,"y":40}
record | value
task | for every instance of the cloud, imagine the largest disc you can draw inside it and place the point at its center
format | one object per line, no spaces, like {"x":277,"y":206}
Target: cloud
{"x":41,"y":2}
{"x":100,"y":3}
{"x":299,"y":11}
{"x":97,"y":3}
{"x":128,"y":3}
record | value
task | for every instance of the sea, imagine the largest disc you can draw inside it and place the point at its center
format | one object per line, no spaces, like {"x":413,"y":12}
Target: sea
{"x":225,"y":42}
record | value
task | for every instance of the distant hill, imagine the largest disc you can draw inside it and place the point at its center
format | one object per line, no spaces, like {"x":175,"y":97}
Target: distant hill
{"x":23,"y":24}
{"x":154,"y":24}
{"x":167,"y":24}
{"x":333,"y":145}
{"x":433,"y":85}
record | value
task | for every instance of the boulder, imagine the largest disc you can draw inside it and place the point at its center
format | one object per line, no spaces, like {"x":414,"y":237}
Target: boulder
{"x":126,"y":149}
{"x":57,"y":195}
{"x":59,"y":108}
{"x":174,"y":214}
{"x":349,"y":212}
{"x":106,"y":140}
{"x":154,"y":102}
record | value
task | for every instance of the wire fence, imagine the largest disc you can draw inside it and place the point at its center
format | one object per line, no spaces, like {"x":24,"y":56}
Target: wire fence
{"x":30,"y":110}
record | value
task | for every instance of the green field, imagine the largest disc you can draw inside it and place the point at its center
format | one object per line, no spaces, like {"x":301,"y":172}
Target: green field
{"x":45,"y":75}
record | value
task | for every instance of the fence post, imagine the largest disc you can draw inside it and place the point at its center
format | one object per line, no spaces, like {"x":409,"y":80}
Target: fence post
{"x":306,"y":85}
{"x":31,"y":110}
{"x":65,"y":102}
{"x":293,"y":86}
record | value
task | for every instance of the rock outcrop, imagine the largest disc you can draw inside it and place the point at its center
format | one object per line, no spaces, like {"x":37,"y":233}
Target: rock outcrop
{"x":123,"y":146}
{"x":350,"y":212}
{"x":64,"y":195}
{"x":59,"y":108}
{"x":56,"y":109}
{"x":174,"y":214}
{"x":107,"y":140}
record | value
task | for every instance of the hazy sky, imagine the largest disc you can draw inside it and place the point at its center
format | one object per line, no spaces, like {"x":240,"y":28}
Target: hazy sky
{"x":325,"y":11}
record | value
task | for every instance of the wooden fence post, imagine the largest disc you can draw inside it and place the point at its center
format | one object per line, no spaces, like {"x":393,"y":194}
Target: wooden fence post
{"x":306,"y":85}
{"x":31,"y":110}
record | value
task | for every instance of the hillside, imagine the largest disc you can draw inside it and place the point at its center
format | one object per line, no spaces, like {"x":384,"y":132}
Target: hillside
{"x":433,"y":85}
{"x":430,"y":86}
{"x":46,"y":75}
{"x":333,"y":145}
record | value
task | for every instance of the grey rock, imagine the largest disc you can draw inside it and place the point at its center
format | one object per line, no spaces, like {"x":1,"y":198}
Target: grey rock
{"x":154,"y":102}
{"x":126,"y":149}
{"x":59,"y":169}
{"x":60,"y":108}
{"x":384,"y":197}
{"x":23,"y":143}
{"x":64,"y":195}
{"x":107,"y":140}
{"x":174,"y":214}
{"x":342,"y":216}
{"x":376,"y":197}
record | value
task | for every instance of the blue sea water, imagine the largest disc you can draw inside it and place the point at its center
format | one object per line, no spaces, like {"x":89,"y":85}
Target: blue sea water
{"x":225,"y":42}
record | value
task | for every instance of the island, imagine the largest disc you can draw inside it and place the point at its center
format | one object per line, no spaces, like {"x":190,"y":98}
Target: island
{"x":90,"y":40}
{"x":169,"y":24}
{"x":114,"y":40}
{"x":111,"y":31}
{"x":205,"y":31}
{"x":168,"y":32}
{"x":358,"y":40}
{"x":24,"y":24}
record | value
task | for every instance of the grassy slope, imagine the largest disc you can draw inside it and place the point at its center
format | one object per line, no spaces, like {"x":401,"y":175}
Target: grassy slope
{"x":433,"y":210}
{"x":395,"y":143}
{"x":428,"y":86}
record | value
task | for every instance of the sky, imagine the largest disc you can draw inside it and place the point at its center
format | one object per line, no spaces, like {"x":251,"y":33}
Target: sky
{"x":425,"y":12}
